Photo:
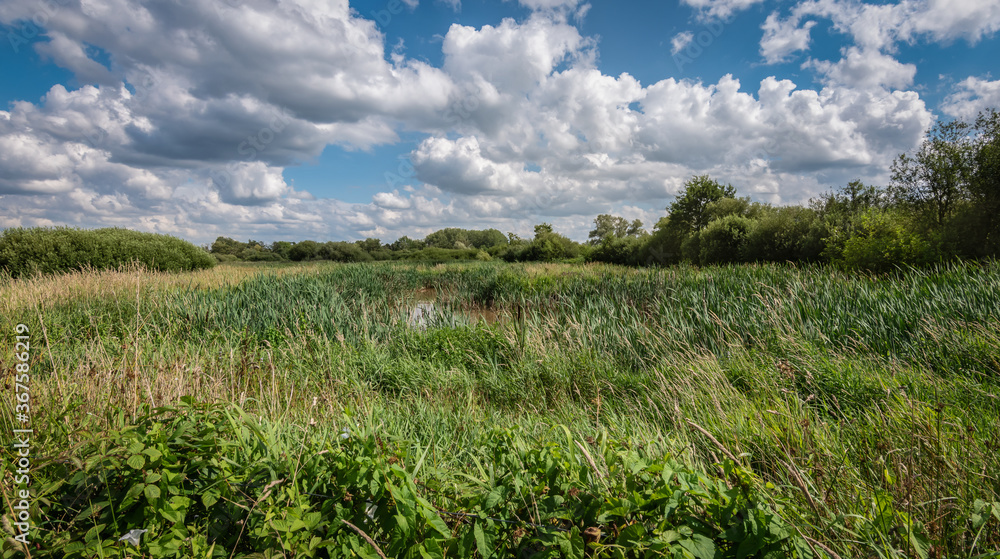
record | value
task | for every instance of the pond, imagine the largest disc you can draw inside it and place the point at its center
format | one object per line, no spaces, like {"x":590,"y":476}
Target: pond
{"x":425,"y":308}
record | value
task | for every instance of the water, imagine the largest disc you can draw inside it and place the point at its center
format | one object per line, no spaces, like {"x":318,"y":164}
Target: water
{"x":424,"y":310}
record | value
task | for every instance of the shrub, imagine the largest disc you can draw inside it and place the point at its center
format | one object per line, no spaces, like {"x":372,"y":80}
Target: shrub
{"x":882,"y":242}
{"x":305,"y":250}
{"x":60,"y":249}
{"x":784,"y":234}
{"x":722,"y":240}
{"x":617,"y":250}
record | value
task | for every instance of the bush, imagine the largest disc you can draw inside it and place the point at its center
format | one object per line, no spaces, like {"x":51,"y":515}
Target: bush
{"x":882,"y":242}
{"x":617,"y":250}
{"x":305,"y":250}
{"x":784,"y":235}
{"x":722,"y":240}
{"x":343,"y":252}
{"x":46,"y":250}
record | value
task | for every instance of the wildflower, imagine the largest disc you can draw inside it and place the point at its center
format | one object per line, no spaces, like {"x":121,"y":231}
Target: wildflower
{"x":133,"y":536}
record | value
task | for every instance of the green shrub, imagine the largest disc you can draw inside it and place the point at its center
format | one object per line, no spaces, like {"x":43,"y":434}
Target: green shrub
{"x":722,"y":240}
{"x":783,"y":235}
{"x":882,"y":242}
{"x":617,"y":250}
{"x":46,"y":250}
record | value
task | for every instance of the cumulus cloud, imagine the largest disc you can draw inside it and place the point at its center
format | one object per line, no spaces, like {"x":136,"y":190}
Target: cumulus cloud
{"x":973,"y":95}
{"x":865,"y":69}
{"x":190,"y":128}
{"x":680,"y":41}
{"x":880,"y":26}
{"x":782,"y":38}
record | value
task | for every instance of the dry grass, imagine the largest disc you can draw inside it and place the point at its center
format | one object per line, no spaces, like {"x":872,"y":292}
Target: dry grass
{"x":46,"y":291}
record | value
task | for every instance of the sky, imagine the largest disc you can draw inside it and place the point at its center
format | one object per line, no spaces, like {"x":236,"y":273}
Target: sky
{"x":336,"y":120}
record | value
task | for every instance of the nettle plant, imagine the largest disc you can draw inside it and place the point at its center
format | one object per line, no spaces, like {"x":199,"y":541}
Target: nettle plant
{"x":208,"y":481}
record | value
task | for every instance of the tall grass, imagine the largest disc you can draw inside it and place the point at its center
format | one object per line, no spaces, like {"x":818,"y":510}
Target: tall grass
{"x":864,"y":409}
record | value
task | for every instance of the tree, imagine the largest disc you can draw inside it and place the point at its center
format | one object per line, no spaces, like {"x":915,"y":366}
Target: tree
{"x":985,"y":184}
{"x":542,"y":229}
{"x":225,"y":245}
{"x":369,"y":245}
{"x":685,"y":216}
{"x":608,"y":227}
{"x":281,"y":248}
{"x":688,"y":210}
{"x":937,"y":176}
{"x":304,"y":250}
{"x":406,"y":243}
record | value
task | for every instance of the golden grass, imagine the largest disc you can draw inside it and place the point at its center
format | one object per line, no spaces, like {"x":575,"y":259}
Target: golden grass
{"x":126,"y":282}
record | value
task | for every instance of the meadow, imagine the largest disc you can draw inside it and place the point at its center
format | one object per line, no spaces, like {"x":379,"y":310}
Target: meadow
{"x":526,"y":410}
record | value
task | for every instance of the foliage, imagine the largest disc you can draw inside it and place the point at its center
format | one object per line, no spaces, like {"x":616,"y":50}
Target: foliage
{"x":937,"y":176}
{"x":42,"y":250}
{"x":723,"y":240}
{"x":608,"y":227}
{"x":685,"y":216}
{"x":450,"y":238}
{"x":857,"y":411}
{"x":882,"y":242}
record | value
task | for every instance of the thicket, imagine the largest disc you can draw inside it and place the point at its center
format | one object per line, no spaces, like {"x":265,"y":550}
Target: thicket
{"x":42,"y":250}
{"x":943,"y":204}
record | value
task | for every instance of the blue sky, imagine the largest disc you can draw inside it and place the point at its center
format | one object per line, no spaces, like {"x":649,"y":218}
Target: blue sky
{"x":325,"y":119}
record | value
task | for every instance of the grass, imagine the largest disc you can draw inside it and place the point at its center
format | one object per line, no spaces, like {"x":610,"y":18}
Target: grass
{"x":821,"y":413}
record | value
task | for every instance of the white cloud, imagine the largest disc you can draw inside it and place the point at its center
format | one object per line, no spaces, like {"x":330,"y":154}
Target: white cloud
{"x":511,"y":56}
{"x":880,"y":26}
{"x":719,"y":9}
{"x":680,"y":41}
{"x":972,"y":96}
{"x":205,"y":105}
{"x":783,"y":38}
{"x":865,"y":69}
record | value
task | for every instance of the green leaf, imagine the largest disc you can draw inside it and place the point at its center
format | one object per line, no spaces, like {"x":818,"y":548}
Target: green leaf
{"x":431,"y":550}
{"x":493,"y":498}
{"x":699,"y":546}
{"x":137,"y":461}
{"x":632,"y":535}
{"x":921,"y":544}
{"x":152,"y":492}
{"x":435,"y":521}
{"x":153,"y":454}
{"x":571,"y":544}
{"x":485,"y":548}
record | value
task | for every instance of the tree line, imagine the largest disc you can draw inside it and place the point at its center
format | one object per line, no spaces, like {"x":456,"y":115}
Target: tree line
{"x":943,"y":203}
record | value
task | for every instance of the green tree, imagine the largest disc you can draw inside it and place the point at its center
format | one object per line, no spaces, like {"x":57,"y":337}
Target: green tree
{"x":303,"y":250}
{"x":281,"y":248}
{"x":937,"y":176}
{"x":607,"y":227}
{"x":225,"y":245}
{"x":685,"y":216}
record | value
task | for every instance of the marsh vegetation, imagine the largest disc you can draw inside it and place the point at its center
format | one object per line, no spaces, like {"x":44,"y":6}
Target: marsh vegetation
{"x":539,"y":410}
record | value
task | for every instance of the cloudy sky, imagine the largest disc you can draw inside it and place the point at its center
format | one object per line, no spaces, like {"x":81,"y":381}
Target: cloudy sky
{"x":329,"y":119}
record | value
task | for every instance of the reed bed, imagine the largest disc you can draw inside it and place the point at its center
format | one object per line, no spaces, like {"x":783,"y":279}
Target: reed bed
{"x":864,"y":411}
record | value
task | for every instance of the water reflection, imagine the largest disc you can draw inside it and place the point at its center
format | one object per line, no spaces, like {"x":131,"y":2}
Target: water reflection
{"x":425,"y":309}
